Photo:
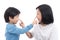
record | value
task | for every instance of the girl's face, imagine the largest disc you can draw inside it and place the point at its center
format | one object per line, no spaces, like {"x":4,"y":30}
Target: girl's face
{"x":39,"y":16}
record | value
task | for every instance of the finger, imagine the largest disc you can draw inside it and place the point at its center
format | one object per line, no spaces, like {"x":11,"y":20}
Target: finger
{"x":21,"y":21}
{"x":35,"y":18}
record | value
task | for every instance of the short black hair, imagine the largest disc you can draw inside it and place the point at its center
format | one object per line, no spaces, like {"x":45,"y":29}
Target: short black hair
{"x":10,"y":12}
{"x":47,"y":14}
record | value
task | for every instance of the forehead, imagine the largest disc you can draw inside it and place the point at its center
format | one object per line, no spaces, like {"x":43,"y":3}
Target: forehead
{"x":16,"y":16}
{"x":38,"y":11}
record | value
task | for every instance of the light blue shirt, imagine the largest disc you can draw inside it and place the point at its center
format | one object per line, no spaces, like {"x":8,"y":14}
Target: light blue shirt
{"x":13,"y":33}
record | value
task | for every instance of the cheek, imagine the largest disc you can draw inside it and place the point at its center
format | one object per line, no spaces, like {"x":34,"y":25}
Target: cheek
{"x":16,"y":19}
{"x":39,"y":17}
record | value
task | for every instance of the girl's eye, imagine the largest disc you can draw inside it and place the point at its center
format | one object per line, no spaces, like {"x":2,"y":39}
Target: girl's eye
{"x":37,"y":13}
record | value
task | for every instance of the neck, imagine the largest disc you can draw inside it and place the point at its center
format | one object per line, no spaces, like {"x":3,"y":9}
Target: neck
{"x":11,"y":22}
{"x":43,"y":24}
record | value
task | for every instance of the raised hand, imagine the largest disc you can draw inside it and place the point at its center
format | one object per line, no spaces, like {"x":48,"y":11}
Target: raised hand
{"x":21,"y":23}
{"x":35,"y":21}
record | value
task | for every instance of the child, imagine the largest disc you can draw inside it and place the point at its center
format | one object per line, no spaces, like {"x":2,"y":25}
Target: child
{"x":11,"y":17}
{"x":45,"y":30}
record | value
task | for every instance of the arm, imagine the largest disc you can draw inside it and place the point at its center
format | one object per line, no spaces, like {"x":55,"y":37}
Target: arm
{"x":16,"y":30}
{"x":26,"y":29}
{"x":29,"y":34}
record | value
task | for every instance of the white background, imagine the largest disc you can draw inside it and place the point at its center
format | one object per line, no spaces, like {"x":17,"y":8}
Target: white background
{"x":28,"y":13}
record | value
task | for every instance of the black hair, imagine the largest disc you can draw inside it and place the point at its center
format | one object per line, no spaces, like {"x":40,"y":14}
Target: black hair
{"x":10,"y":12}
{"x":47,"y":14}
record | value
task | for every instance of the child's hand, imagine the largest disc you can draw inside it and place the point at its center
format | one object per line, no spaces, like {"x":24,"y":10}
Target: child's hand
{"x":34,"y":22}
{"x":21,"y":23}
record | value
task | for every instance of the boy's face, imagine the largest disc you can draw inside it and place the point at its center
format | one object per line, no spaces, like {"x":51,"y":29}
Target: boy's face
{"x":14,"y":20}
{"x":39,"y":16}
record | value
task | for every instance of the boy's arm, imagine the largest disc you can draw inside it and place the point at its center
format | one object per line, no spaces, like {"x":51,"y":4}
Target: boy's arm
{"x":26,"y":29}
{"x":15,"y":30}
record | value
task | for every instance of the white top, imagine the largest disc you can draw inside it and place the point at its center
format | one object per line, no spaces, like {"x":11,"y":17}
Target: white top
{"x":47,"y":32}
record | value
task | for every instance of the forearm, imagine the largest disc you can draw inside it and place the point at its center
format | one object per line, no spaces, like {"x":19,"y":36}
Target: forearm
{"x":26,"y":29}
{"x":29,"y":34}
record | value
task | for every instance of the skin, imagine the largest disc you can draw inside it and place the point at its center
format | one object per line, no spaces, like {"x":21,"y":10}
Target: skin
{"x":39,"y":15}
{"x":14,"y":20}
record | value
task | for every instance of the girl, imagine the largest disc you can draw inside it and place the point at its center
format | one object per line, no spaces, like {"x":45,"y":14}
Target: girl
{"x":45,"y":29}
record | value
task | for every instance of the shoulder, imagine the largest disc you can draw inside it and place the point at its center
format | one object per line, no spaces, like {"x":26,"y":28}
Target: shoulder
{"x":9,"y":26}
{"x":53,"y":27}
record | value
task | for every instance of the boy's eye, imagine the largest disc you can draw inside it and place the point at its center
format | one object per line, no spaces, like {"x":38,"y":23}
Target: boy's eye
{"x":17,"y":15}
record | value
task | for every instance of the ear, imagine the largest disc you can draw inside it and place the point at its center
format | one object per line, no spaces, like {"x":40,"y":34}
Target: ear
{"x":10,"y":18}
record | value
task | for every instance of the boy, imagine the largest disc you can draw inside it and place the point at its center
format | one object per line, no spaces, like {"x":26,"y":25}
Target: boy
{"x":11,"y":17}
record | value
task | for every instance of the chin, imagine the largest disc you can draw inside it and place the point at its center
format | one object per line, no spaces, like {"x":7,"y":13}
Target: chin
{"x":15,"y":23}
{"x":38,"y":19}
